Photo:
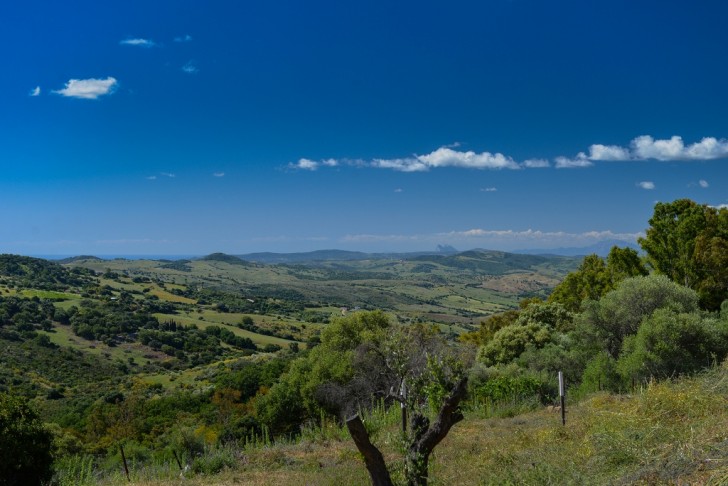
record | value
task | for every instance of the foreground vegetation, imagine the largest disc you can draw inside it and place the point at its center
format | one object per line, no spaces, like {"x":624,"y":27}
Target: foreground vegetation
{"x":217,"y":375}
{"x":672,"y":432}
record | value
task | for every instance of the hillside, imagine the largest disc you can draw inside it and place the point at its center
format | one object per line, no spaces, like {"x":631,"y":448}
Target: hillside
{"x":671,"y":433}
{"x":449,"y":289}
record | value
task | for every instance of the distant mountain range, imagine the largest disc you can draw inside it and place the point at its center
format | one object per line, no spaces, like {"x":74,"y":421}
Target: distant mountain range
{"x":334,"y":255}
{"x":601,"y":248}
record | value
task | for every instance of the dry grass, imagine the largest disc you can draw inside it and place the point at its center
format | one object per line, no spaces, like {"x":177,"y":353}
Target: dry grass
{"x":668,"y":433}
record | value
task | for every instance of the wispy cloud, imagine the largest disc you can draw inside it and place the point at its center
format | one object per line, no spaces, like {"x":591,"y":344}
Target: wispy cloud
{"x":35,"y":91}
{"x":190,"y":67}
{"x":703,"y":183}
{"x":647,"y":185}
{"x":608,"y":152}
{"x":581,"y":160}
{"x":183,"y":38}
{"x":643,"y":147}
{"x":308,"y":164}
{"x":398,"y":190}
{"x":138,"y":42}
{"x":89,"y":89}
{"x":536,"y":163}
{"x":488,"y":189}
{"x":442,"y":157}
{"x":218,"y":174}
{"x":168,"y":174}
{"x":151,"y":178}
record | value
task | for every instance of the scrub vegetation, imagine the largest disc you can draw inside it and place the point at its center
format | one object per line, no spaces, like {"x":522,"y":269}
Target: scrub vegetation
{"x":441,"y":368}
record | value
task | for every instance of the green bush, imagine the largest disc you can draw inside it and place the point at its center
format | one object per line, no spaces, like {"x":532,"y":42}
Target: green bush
{"x":508,"y":343}
{"x":670,"y":344}
{"x":25,"y":444}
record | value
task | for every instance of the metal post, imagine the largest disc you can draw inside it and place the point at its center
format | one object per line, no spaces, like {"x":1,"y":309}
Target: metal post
{"x":123,"y":458}
{"x":563,"y":401}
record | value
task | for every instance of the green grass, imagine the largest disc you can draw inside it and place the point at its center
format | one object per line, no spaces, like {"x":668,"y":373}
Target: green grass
{"x":64,"y":336}
{"x":666,"y":433}
{"x":447,"y":293}
{"x":216,"y":319}
{"x":49,"y":294}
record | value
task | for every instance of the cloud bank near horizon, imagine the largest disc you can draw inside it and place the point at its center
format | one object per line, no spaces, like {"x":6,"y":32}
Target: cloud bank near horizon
{"x":641,"y":148}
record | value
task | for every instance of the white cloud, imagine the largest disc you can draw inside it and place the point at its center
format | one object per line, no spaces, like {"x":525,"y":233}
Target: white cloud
{"x":608,"y":152}
{"x":646,"y":147}
{"x":641,"y":148}
{"x":447,"y":157}
{"x":305,"y":164}
{"x":184,"y":38}
{"x":721,"y":206}
{"x":402,"y":165}
{"x":35,"y":91}
{"x":581,"y":160}
{"x":398,"y":190}
{"x":703,"y":183}
{"x":138,"y":42}
{"x":168,"y":174}
{"x":648,"y":185}
{"x":709,"y":148}
{"x":536,"y":163}
{"x":88,"y":89}
{"x":488,"y":189}
{"x":151,"y":178}
{"x":190,"y":68}
{"x":218,"y":174}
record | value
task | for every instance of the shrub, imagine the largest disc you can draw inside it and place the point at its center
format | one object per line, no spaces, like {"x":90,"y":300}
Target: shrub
{"x":669,"y":344}
{"x":25,"y":445}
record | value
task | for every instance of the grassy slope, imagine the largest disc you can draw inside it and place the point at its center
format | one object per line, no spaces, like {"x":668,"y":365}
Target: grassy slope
{"x":455,"y":290}
{"x":665,"y":434}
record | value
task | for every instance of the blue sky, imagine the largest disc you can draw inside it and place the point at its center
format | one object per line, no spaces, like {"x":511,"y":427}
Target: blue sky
{"x":188,"y":127}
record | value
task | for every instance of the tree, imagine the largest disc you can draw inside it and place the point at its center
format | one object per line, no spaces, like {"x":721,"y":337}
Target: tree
{"x":619,"y":313}
{"x":590,"y":281}
{"x":418,"y":360}
{"x":687,"y":242}
{"x":508,"y":343}
{"x":364,"y":359}
{"x":25,"y":444}
{"x":671,"y":344}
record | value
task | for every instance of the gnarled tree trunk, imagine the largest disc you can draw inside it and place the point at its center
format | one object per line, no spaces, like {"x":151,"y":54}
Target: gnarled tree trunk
{"x":422,"y":440}
{"x":373,"y":459}
{"x":426,"y":437}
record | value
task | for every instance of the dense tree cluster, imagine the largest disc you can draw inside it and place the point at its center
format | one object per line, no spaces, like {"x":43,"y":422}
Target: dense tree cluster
{"x":688,"y":242}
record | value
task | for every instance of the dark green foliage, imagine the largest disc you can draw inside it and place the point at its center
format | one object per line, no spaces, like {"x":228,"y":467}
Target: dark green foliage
{"x":222,"y":257}
{"x":595,"y":277}
{"x":25,"y":445}
{"x":670,"y":344}
{"x":37,"y":273}
{"x":608,"y":321}
{"x":601,"y":374}
{"x":508,"y":384}
{"x":688,"y":242}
